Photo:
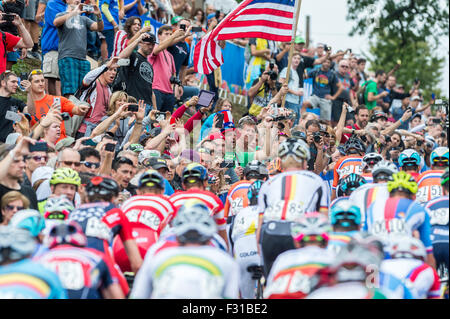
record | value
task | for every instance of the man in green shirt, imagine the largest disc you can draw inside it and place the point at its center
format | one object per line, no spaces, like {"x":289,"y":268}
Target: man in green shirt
{"x":371,"y":92}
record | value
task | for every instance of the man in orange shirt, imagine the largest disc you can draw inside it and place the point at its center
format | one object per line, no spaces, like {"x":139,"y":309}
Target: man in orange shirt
{"x":39,"y":102}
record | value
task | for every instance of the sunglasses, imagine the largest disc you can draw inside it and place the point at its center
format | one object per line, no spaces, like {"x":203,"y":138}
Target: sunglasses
{"x":38,"y":158}
{"x":10,"y":207}
{"x":34,"y":72}
{"x":70,"y":163}
{"x":91,"y":165}
{"x":345,"y":66}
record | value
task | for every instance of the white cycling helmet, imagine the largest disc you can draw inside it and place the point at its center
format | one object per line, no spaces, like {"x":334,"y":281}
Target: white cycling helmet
{"x":404,"y":246}
{"x":294,"y":147}
{"x":372,"y":158}
{"x":384,"y":167}
{"x":58,"y":208}
{"x":193,"y":222}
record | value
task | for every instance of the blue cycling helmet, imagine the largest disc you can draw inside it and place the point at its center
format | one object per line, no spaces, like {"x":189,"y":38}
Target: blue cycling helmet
{"x":349,"y":183}
{"x":29,"y":219}
{"x":345,"y":211}
{"x":439,"y":157}
{"x":409,"y":157}
{"x":194,"y":171}
{"x":253,"y":192}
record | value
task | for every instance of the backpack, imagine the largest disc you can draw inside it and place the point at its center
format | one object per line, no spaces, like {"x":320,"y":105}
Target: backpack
{"x":360,"y":94}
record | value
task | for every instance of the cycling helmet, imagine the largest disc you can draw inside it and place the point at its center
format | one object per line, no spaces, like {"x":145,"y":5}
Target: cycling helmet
{"x":349,"y":183}
{"x":253,"y":192}
{"x":402,"y":181}
{"x":378,"y":115}
{"x":439,"y":157}
{"x":69,"y":232}
{"x":256,"y":169}
{"x":194,"y":171}
{"x":65,"y":175}
{"x":383,"y":170}
{"x":29,"y":219}
{"x":193,"y":222}
{"x":58,"y":208}
{"x":444,"y":179}
{"x":151,"y":178}
{"x":15,"y":243}
{"x":294,"y":147}
{"x":404,"y":246}
{"x":354,"y":144}
{"x":344,"y":212}
{"x":103,"y":186}
{"x":370,"y":241}
{"x":311,"y":227}
{"x":372,"y":159}
{"x":409,"y":157}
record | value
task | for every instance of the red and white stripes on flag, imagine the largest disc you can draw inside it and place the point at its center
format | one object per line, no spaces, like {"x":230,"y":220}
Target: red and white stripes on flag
{"x":266,"y":19}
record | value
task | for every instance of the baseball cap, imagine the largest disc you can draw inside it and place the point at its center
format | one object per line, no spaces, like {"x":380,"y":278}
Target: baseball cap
{"x":43,"y":172}
{"x":320,"y":45}
{"x":416,"y":98}
{"x":216,"y":136}
{"x":65,"y":142}
{"x":146,"y":154}
{"x":378,"y":114}
{"x":150,"y":39}
{"x":176,"y":19}
{"x":299,"y":39}
{"x":157,"y":163}
{"x":11,"y":139}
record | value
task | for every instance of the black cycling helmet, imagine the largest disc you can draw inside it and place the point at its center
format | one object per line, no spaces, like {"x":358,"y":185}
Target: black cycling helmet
{"x":151,"y":178}
{"x":193,"y":172}
{"x":256,"y":169}
{"x":349,"y":183}
{"x":253,"y":192}
{"x":104,"y":186}
{"x":355,"y":144}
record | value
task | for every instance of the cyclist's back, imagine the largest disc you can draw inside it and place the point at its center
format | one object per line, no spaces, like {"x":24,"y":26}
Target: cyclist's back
{"x":236,"y":198}
{"x":429,"y":185}
{"x":366,"y":194}
{"x":345,"y":166}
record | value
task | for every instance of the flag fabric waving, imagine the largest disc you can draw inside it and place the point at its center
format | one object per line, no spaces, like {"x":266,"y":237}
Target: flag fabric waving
{"x":266,"y":19}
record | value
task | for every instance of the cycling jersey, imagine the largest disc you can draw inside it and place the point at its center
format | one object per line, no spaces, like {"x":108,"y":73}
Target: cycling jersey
{"x":339,"y":240}
{"x":393,"y":287}
{"x":421,"y":279}
{"x":287,"y":196}
{"x":347,"y":290}
{"x":368,"y":177}
{"x":429,"y":186}
{"x":345,"y":166}
{"x":399,"y":215}
{"x":193,"y":272}
{"x":83,"y":271}
{"x":208,"y":198}
{"x":237,"y":198}
{"x":292,"y":272}
{"x":152,"y":211}
{"x":366,"y":194}
{"x":242,"y":239}
{"x":27,"y":279}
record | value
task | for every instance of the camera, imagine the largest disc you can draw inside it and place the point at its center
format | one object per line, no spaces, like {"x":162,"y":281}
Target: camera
{"x":65,"y":116}
{"x":317,"y":137}
{"x":387,"y":138}
{"x":88,"y":8}
{"x":326,"y":48}
{"x":272,"y":74}
{"x":8,"y":17}
{"x":175,"y":80}
{"x":183,"y":27}
{"x":217,"y":15}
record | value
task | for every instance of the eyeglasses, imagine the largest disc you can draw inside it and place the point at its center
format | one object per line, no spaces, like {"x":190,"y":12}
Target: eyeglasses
{"x":91,"y":165}
{"x":38,"y":158}
{"x":70,"y":163}
{"x":10,"y":207}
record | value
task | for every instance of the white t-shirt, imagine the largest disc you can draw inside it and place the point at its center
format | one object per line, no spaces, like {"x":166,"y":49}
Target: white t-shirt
{"x":294,"y":84}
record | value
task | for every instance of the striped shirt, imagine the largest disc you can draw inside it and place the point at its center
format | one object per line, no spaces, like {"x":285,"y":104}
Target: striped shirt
{"x":345,"y":166}
{"x":429,"y":185}
{"x":237,"y":198}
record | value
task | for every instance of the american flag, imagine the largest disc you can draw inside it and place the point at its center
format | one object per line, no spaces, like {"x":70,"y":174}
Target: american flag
{"x":266,"y":19}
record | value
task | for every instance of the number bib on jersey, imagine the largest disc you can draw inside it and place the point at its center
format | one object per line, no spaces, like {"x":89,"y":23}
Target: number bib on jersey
{"x":294,"y":284}
{"x":96,"y":228}
{"x":427,"y":193}
{"x":394,"y":225}
{"x":236,"y":205}
{"x":347,"y":170}
{"x":439,"y":216}
{"x":281,"y":211}
{"x":145,"y":217}
{"x":70,"y":273}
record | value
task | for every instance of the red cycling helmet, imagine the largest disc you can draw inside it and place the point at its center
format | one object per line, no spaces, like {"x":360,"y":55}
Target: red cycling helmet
{"x":69,"y":232}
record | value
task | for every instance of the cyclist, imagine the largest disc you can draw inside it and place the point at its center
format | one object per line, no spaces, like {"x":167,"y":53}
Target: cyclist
{"x":429,"y":182}
{"x":351,"y":163}
{"x":410,"y":161}
{"x":349,"y":184}
{"x":369,"y":161}
{"x":293,"y":273}
{"x":21,"y":277}
{"x":56,"y":211}
{"x":64,"y":181}
{"x":148,"y":213}
{"x":400,"y":213}
{"x":347,"y":276}
{"x":365,"y":195}
{"x":194,"y":269}
{"x":194,"y":180}
{"x":101,"y":221}
{"x":242,"y":240}
{"x":286,"y":197}
{"x":345,"y":218}
{"x":32,"y":221}
{"x":237,"y":195}
{"x":408,"y":263}
{"x":438,"y":210}
{"x":84,"y":272}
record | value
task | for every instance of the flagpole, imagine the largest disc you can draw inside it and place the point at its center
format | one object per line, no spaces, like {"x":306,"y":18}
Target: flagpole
{"x":291,"y":50}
